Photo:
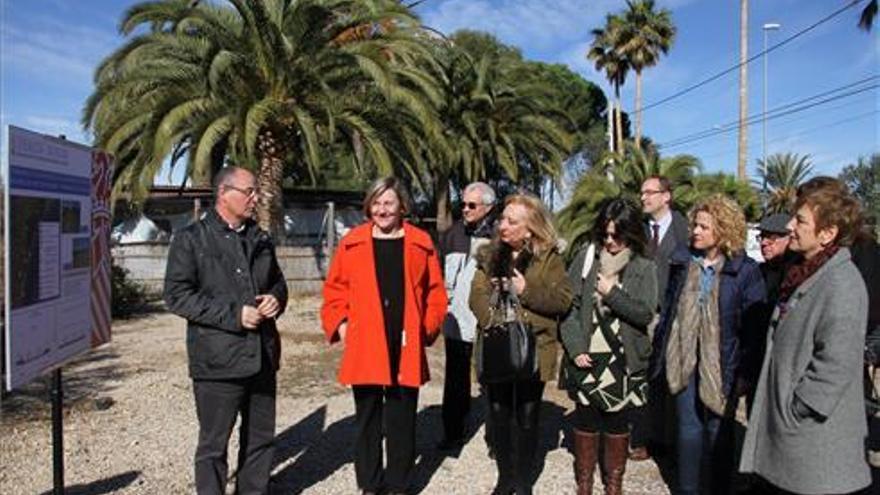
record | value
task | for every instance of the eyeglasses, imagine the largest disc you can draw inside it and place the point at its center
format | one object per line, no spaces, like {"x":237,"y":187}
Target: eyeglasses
{"x":651,"y":192}
{"x":470,"y":205}
{"x":249,"y":191}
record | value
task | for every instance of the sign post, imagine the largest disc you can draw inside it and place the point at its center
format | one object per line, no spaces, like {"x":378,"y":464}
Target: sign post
{"x":56,"y":263}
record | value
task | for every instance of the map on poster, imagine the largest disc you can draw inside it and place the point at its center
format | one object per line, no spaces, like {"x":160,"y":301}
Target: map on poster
{"x":48,"y":308}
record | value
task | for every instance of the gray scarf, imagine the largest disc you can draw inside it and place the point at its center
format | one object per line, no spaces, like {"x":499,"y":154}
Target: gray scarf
{"x":610,"y":266}
{"x":695,"y":341}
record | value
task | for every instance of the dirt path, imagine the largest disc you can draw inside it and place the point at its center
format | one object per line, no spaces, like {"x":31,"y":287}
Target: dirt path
{"x":130,"y":424}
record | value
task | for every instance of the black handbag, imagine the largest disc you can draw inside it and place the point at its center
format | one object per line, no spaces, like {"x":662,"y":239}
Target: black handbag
{"x":508,"y":350}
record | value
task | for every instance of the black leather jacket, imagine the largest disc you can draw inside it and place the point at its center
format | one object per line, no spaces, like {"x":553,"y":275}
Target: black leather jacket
{"x":212,"y":272}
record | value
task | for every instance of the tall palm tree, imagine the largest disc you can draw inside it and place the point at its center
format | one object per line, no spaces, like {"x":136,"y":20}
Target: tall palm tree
{"x":742,"y":153}
{"x":605,"y":56}
{"x":783,"y":173}
{"x":263,"y":83}
{"x":493,"y":128}
{"x":869,"y":13}
{"x":645,"y":35}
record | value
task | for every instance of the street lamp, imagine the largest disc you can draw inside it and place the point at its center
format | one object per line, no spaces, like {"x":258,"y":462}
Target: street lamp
{"x":770,"y":26}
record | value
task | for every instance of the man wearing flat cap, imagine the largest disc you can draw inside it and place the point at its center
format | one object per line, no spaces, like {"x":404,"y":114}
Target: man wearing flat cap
{"x":774,"y":236}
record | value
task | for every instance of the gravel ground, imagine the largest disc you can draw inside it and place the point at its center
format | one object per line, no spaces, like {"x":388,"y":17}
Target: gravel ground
{"x":129,"y":424}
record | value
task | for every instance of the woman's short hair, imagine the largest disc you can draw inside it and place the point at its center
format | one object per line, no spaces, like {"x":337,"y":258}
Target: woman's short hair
{"x":538,"y":221}
{"x":832,"y":205}
{"x":728,"y":220}
{"x":628,"y":224}
{"x":378,"y":188}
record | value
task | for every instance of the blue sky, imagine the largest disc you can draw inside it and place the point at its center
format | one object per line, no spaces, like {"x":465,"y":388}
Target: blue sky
{"x":49,"y":48}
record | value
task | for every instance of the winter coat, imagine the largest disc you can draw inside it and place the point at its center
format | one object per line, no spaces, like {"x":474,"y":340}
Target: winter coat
{"x":633,"y":304}
{"x":351,"y":294}
{"x":814,"y":357}
{"x":545,"y":300}
{"x":741,"y":296}
{"x":459,"y":246}
{"x":208,"y":278}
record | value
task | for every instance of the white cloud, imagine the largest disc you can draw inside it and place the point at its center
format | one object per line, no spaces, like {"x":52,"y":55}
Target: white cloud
{"x":52,"y":50}
{"x":55,"y":126}
{"x":539,"y":24}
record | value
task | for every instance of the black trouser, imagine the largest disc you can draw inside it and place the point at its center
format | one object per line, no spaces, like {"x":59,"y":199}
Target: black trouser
{"x":456,"y":388}
{"x":218,"y":404}
{"x":514,"y":409}
{"x":396,"y":408}
{"x":593,"y":420}
{"x":640,"y":427}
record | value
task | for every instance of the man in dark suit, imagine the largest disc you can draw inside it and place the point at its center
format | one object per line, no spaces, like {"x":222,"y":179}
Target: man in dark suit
{"x":223,"y":277}
{"x":667,"y":230}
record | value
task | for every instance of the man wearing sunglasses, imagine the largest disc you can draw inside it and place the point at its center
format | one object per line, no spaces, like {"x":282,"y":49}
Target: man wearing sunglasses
{"x":223,"y":277}
{"x":458,"y":245}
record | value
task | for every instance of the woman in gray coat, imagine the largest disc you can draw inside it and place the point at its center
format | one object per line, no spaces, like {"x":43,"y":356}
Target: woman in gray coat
{"x":606,"y":341}
{"x":807,"y":430}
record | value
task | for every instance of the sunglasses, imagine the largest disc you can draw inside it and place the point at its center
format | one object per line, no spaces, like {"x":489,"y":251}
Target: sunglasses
{"x":471,"y":205}
{"x":250,"y":191}
{"x":614,"y":237}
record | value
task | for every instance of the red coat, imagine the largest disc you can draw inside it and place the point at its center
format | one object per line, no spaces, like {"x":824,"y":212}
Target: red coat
{"x":351,"y":293}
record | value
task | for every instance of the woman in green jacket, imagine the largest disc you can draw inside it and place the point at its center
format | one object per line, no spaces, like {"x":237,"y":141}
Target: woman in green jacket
{"x":522,"y":258}
{"x":606,"y":341}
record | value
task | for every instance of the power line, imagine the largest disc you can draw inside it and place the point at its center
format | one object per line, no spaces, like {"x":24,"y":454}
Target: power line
{"x":799,"y":133}
{"x":795,"y":110}
{"x":752,"y":58}
{"x":787,"y":109}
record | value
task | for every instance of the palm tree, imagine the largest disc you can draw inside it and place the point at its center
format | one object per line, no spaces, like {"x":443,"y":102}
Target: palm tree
{"x":624,"y":178}
{"x":261,"y":83}
{"x":783,"y":173}
{"x":605,"y":56}
{"x":742,"y":153}
{"x":869,"y":13}
{"x":493,"y":128}
{"x":646,"y":34}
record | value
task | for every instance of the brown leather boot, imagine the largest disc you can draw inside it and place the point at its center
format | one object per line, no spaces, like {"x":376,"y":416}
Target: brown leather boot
{"x":586,"y":451}
{"x":614,"y":462}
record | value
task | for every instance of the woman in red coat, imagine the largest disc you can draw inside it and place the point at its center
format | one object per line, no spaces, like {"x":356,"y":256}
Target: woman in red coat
{"x":384,"y":299}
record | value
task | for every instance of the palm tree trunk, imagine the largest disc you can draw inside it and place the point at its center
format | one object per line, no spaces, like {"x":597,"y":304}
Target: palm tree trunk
{"x":742,"y":155}
{"x":619,"y":125}
{"x":441,"y":197}
{"x":638,"y":109}
{"x":270,"y":202}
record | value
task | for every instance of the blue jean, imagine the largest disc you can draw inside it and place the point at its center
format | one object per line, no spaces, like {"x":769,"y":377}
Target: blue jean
{"x":700,"y":468}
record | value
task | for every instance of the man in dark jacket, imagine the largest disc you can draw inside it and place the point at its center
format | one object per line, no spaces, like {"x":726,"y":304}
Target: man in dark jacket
{"x":223,"y":277}
{"x":458,"y":246}
{"x":667,"y":231}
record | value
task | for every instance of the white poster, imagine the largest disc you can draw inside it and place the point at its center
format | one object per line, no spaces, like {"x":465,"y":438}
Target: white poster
{"x":48,"y":246}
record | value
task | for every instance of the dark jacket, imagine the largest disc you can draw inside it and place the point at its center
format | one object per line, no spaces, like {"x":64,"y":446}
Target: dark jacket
{"x":633,"y":304}
{"x":741,"y":295}
{"x":212,"y":272}
{"x":545,"y":301}
{"x":676,"y":237}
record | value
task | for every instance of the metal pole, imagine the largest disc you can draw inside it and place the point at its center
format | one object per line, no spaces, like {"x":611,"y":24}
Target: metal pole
{"x":331,"y":227}
{"x":57,"y":395}
{"x":767,"y":27}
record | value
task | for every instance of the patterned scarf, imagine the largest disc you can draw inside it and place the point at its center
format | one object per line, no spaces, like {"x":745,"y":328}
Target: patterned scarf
{"x":610,"y":266}
{"x":801,"y":271}
{"x":695,"y":341}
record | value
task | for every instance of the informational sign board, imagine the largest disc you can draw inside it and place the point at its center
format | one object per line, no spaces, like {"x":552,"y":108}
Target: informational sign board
{"x":48,"y":236}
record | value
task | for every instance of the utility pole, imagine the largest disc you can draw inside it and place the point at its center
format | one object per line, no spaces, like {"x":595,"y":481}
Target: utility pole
{"x":769,"y":26}
{"x":742,"y":155}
